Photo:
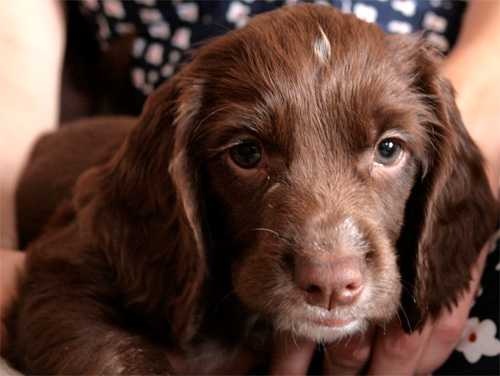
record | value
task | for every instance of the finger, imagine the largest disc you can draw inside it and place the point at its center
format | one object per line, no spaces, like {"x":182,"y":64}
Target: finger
{"x":291,"y":356}
{"x":396,"y":352}
{"x":449,"y":327}
{"x":349,"y":356}
{"x":11,"y":263}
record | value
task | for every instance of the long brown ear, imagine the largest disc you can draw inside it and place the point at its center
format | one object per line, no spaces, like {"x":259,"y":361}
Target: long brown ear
{"x":451,"y":211}
{"x":142,"y":209}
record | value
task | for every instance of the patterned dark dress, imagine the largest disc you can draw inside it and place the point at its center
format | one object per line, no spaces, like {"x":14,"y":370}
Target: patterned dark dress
{"x":165,"y":30}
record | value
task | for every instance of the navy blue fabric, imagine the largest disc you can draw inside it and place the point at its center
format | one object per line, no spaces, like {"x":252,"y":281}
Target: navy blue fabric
{"x":165,"y":30}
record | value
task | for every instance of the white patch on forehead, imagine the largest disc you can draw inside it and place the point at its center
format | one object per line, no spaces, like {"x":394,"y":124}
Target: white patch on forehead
{"x":322,"y":47}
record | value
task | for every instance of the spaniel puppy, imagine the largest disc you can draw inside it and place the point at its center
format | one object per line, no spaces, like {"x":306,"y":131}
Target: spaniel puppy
{"x":306,"y":173}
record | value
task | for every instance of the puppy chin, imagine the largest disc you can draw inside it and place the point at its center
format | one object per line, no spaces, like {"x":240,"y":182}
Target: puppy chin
{"x":326,"y":334}
{"x":320,"y":328}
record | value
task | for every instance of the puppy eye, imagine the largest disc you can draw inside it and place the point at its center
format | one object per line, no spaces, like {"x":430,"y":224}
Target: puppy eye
{"x":388,"y":151}
{"x":246,"y":154}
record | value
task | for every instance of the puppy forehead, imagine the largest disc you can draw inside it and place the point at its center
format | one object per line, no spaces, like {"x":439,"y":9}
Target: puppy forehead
{"x":308,"y":78}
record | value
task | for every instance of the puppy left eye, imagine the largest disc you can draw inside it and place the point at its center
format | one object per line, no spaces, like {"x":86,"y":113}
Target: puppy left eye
{"x":246,"y":154}
{"x":388,"y":152}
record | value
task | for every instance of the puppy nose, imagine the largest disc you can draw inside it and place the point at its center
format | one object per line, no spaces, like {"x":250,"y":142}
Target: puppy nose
{"x":328,"y":281}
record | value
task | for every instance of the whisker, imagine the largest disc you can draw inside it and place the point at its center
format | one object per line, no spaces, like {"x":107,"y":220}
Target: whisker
{"x":266,"y":230}
{"x":322,"y":346}
{"x":399,"y":316}
{"x":383,"y":289}
{"x":275,"y":233}
{"x":349,"y":338}
{"x":407,"y":289}
{"x":406,"y":317}
{"x":381,"y":326}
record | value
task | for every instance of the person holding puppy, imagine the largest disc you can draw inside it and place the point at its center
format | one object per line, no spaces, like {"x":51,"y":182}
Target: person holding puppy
{"x":420,"y":352}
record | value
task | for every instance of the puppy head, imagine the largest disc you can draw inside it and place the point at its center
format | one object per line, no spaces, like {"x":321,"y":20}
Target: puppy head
{"x":312,"y":158}
{"x":299,"y":162}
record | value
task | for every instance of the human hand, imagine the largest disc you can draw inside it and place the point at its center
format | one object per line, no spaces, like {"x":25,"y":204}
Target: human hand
{"x":11,"y":262}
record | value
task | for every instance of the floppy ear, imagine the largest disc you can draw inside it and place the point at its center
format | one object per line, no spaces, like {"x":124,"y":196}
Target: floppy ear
{"x":451,"y":211}
{"x":142,"y":209}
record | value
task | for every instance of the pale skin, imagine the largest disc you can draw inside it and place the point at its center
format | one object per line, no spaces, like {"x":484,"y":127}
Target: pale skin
{"x":33,"y":31}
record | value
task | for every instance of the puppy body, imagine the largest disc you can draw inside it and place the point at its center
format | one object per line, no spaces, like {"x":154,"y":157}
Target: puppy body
{"x":292,"y":177}
{"x":55,"y":164}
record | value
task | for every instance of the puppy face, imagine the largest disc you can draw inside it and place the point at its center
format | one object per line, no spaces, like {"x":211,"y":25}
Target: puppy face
{"x":310,"y":150}
{"x":307,"y":164}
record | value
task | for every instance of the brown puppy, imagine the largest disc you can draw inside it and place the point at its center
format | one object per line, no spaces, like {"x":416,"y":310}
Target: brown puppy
{"x":294,"y":176}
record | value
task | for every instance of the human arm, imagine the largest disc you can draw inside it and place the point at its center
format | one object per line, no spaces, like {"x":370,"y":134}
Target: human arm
{"x":472,"y":67}
{"x":31,"y":46}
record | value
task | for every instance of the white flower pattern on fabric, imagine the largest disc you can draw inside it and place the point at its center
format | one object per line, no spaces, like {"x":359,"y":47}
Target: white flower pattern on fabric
{"x":114,"y":8}
{"x":188,"y":12}
{"x":149,"y":16}
{"x":434,"y":22}
{"x":160,"y":30}
{"x":478,"y":339}
{"x":399,"y":27}
{"x":181,"y":39}
{"x":365,"y":12}
{"x":406,"y":7}
{"x":238,"y":14}
{"x":138,"y":47}
{"x":91,"y":4}
{"x":154,"y":55}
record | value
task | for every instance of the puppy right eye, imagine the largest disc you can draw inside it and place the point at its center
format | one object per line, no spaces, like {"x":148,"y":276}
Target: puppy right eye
{"x":247,"y":154}
{"x":388,"y":151}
